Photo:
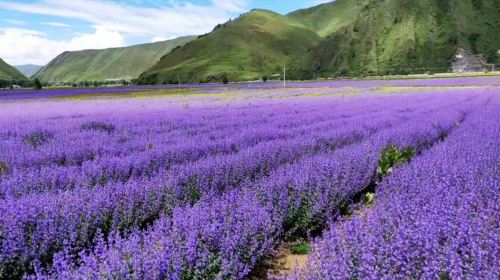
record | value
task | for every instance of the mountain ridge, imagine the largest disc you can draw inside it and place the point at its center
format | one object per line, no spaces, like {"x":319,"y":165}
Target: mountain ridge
{"x":28,"y":69}
{"x":9,"y":73}
{"x":123,"y":63}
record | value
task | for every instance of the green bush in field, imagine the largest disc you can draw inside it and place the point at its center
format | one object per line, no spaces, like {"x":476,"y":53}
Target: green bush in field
{"x":392,"y":156}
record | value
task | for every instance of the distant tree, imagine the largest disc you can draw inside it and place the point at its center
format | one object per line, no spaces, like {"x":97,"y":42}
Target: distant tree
{"x":477,"y":4}
{"x":37,"y":85}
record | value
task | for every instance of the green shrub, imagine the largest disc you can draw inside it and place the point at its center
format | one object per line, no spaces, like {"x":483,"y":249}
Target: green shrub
{"x":392,"y":156}
{"x":300,"y":248}
{"x":369,"y":198}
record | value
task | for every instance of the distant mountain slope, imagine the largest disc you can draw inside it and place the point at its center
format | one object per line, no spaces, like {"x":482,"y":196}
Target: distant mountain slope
{"x":255,"y":44}
{"x":99,"y":65}
{"x":8,"y":72}
{"x":399,"y":36}
{"x":28,"y":69}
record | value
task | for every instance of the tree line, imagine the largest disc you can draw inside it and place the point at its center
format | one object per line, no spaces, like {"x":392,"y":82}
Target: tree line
{"x":38,"y":85}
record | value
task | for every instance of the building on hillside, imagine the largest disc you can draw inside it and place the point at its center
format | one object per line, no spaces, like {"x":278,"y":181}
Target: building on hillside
{"x":466,"y":61}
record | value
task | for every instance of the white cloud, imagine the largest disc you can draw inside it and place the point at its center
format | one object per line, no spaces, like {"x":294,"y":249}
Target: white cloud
{"x":318,"y":2}
{"x":114,"y":20}
{"x":21,"y":46}
{"x":57,"y":24}
{"x":14,"y":22}
{"x":160,"y":38}
{"x":180,"y":18}
{"x":231,"y":5}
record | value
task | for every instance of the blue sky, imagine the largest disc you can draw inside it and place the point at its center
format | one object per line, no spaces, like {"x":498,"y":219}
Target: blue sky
{"x":35,"y":31}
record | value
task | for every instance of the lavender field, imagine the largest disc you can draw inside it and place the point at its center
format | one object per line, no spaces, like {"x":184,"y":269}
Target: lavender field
{"x":210,"y":181}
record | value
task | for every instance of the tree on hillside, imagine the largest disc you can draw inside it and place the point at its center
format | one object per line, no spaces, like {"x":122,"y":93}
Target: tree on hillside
{"x":37,"y":85}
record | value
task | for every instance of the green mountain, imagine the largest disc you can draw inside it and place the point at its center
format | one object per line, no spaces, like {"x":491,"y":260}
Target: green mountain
{"x":344,"y":37}
{"x":107,"y":64}
{"x":401,"y":36}
{"x":28,"y":69}
{"x":10,"y":73}
{"x":257,"y":43}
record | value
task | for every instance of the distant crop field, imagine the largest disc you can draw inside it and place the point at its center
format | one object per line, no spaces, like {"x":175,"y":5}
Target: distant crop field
{"x":393,"y":179}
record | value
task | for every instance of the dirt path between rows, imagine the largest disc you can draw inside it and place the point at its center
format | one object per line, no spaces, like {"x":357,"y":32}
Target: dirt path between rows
{"x":282,"y":264}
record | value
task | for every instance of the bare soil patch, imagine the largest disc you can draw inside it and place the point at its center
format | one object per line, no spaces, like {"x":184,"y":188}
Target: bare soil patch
{"x":283,"y":263}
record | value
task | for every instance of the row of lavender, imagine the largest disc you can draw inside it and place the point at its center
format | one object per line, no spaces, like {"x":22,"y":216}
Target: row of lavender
{"x":48,"y":212}
{"x":83,"y":152}
{"x":235,"y":224}
{"x":436,"y":218}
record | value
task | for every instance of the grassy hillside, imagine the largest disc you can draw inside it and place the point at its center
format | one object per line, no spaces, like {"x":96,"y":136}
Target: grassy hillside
{"x":256,"y":44}
{"x":99,"y":65}
{"x":8,"y":72}
{"x":328,"y":18}
{"x":401,"y":36}
{"x":28,"y":69}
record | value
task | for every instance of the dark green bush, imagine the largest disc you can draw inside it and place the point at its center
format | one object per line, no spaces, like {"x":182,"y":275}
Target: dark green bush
{"x":37,"y":85}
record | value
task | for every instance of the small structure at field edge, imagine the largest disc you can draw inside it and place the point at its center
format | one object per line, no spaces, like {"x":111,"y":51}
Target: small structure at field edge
{"x":465,"y":61}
